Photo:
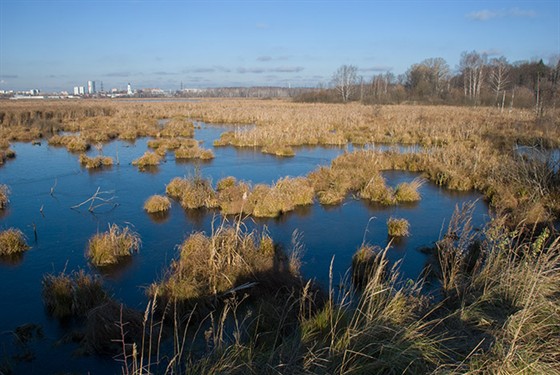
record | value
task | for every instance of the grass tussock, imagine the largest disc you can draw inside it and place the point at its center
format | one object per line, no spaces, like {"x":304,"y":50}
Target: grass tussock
{"x":109,"y":247}
{"x":72,"y":295}
{"x":178,"y":127}
{"x":157,"y":203}
{"x":95,"y":162}
{"x":149,"y":159}
{"x":4,"y":196}
{"x":193,"y":152}
{"x":12,"y":242}
{"x":278,"y":150}
{"x":194,"y":192}
{"x":73,"y":143}
{"x":398,"y":227}
{"x":211,"y":266}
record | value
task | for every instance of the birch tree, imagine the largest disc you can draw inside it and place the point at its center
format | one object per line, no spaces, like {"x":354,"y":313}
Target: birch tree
{"x":344,"y":81}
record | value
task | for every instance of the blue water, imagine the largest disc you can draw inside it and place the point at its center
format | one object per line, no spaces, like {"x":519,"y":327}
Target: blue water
{"x":62,"y":233}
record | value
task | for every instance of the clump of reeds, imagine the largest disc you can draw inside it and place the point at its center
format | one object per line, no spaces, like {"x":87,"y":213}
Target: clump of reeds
{"x":278,"y":150}
{"x":12,"y":241}
{"x":397,"y":227}
{"x":230,"y":257}
{"x":95,"y":162}
{"x":233,"y":196}
{"x":408,"y":192}
{"x":193,"y":152}
{"x":149,"y":159}
{"x":74,"y":143}
{"x":6,"y":154}
{"x":193,"y":192}
{"x":178,"y":127}
{"x":157,"y":203}
{"x":376,"y":190}
{"x":284,"y":196}
{"x":109,"y":247}
{"x":4,"y":196}
{"x":73,"y":294}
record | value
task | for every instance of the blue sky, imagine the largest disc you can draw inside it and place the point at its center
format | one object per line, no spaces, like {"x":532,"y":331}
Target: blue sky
{"x":58,"y":44}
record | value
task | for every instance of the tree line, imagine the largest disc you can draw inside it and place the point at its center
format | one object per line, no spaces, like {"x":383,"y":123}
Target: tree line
{"x":478,"y":80}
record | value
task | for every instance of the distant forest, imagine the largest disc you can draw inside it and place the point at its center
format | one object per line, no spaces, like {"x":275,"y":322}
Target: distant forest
{"x":478,"y":80}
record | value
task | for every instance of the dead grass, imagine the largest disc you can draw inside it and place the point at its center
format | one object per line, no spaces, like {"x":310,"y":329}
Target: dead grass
{"x":149,"y":159}
{"x":398,"y":227}
{"x":73,"y":143}
{"x":109,"y":247}
{"x":95,"y":162}
{"x":193,"y":152}
{"x":12,"y":241}
{"x":74,"y":294}
{"x":4,"y":196}
{"x":157,"y":203}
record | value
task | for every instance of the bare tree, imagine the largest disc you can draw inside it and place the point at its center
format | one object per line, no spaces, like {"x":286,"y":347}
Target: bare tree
{"x":344,"y":81}
{"x":499,"y":76}
{"x":473,"y":69}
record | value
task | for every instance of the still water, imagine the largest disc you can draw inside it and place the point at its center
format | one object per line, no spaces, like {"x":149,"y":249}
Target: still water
{"x":45,"y":183}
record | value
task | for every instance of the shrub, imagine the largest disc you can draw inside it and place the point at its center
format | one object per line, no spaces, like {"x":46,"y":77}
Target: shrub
{"x":73,"y":294}
{"x":157,"y":203}
{"x":95,"y":162}
{"x":4,"y":196}
{"x":147,"y":160}
{"x":397,"y":227}
{"x":108,"y":247}
{"x":12,"y":241}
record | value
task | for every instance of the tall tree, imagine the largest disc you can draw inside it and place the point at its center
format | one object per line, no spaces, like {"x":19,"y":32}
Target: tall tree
{"x":473,"y":68}
{"x":499,"y":76}
{"x":344,"y":81}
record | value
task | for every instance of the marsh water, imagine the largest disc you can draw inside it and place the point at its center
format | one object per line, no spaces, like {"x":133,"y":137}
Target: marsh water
{"x":46,"y":182}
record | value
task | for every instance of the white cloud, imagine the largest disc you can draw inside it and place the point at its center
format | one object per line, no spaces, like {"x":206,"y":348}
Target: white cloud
{"x":486,"y":14}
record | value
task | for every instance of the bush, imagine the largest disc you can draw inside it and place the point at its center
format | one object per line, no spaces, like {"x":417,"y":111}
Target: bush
{"x":12,"y":241}
{"x":157,"y":203}
{"x":108,"y":247}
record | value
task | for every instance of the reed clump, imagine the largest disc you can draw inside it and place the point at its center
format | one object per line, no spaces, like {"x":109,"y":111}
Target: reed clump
{"x":72,"y":294}
{"x":233,"y":196}
{"x":178,"y":127}
{"x":149,"y":159}
{"x":194,"y":192}
{"x":193,"y":152}
{"x":12,"y":242}
{"x":4,"y":196}
{"x":157,"y":203}
{"x":109,"y":247}
{"x":368,"y":262}
{"x":211,"y":266}
{"x":73,"y":143}
{"x":95,"y":162}
{"x":278,"y":150}
{"x":398,"y":227}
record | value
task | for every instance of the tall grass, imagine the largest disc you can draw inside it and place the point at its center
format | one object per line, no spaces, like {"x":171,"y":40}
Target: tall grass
{"x":109,"y":247}
{"x":12,"y":242}
{"x":4,"y":196}
{"x":157,"y":203}
{"x":95,"y":162}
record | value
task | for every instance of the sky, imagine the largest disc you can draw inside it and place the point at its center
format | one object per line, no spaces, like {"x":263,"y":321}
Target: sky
{"x":55,"y":45}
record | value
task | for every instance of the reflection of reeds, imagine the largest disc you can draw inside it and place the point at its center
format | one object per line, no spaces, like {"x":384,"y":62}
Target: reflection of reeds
{"x":12,"y":241}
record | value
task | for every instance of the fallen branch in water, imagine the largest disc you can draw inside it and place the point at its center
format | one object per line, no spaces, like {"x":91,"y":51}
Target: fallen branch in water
{"x":95,"y":199}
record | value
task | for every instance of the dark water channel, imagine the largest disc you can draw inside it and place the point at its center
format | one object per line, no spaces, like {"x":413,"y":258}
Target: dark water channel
{"x":62,"y":233}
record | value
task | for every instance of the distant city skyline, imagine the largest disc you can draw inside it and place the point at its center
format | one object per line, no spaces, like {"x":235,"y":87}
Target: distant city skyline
{"x":59,"y":44}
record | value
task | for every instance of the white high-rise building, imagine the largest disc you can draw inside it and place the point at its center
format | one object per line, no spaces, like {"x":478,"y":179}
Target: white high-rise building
{"x":129,"y":89}
{"x":76,"y":90}
{"x":81,"y":90}
{"x":91,"y":87}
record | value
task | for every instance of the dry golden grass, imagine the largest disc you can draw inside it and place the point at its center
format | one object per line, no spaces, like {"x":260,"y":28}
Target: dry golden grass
{"x":149,"y":159}
{"x":157,"y":203}
{"x":74,"y":294}
{"x":4,"y":196}
{"x":109,"y":247}
{"x":398,"y":227}
{"x":74,"y":143}
{"x":95,"y":162}
{"x":193,"y":152}
{"x":12,"y":241}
